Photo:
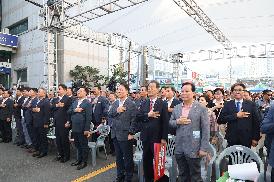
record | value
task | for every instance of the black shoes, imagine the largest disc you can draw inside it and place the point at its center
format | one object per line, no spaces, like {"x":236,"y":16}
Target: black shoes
{"x":36,"y":154}
{"x":20,"y":144}
{"x":42,"y":155}
{"x":81,"y":166}
{"x":76,"y":163}
{"x":7,"y":141}
{"x":24,"y":146}
{"x":65,"y":159}
{"x":119,"y":179}
{"x":58,"y":158}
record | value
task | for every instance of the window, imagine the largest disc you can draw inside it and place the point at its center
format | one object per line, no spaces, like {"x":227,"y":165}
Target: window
{"x":19,"y":27}
{"x":22,"y":74}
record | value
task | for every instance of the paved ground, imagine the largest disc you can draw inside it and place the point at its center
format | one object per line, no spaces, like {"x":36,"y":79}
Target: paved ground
{"x":16,"y":165}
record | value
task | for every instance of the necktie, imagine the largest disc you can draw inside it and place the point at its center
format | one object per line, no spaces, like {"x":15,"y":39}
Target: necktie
{"x":238,"y":106}
{"x":151,"y":105}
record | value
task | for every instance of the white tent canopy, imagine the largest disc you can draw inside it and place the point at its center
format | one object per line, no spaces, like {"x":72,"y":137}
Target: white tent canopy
{"x":163,"y":24}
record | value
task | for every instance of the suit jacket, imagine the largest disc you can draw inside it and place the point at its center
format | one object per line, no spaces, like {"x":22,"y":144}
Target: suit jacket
{"x":267,"y":127}
{"x":153,"y":129}
{"x":80,"y":121}
{"x":7,"y":111}
{"x":192,"y":137}
{"x":17,"y":110}
{"x":123,"y":123}
{"x":138,"y":102}
{"x":101,"y":110}
{"x":174,"y":103}
{"x":240,"y":131}
{"x":60,"y":115}
{"x":27,"y":110}
{"x":41,"y":118}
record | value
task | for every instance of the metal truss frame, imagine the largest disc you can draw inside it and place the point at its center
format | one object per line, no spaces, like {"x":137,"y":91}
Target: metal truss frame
{"x":71,"y":16}
{"x":73,"y":13}
{"x":195,"y":12}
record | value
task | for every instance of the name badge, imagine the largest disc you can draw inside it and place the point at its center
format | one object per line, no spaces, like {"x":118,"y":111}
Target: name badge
{"x":196,"y":134}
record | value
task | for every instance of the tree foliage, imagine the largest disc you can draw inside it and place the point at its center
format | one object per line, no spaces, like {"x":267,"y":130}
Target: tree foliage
{"x":118,"y":76}
{"x":87,"y":76}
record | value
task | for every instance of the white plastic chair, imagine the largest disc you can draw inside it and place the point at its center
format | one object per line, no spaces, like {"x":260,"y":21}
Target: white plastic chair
{"x":206,"y":170}
{"x":238,"y":154}
{"x":14,"y":130}
{"x":138,"y":156}
{"x":100,"y":142}
{"x":51,"y":133}
{"x":170,"y":164}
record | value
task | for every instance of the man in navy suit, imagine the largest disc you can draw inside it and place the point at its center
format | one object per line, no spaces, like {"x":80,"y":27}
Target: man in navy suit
{"x":18,"y":117}
{"x":242,"y":119}
{"x":143,"y":96}
{"x":80,"y":113}
{"x":153,"y":115}
{"x":100,"y":107}
{"x":41,"y":116}
{"x":123,"y":115}
{"x":27,"y":113}
{"x":267,"y":127}
{"x":171,"y":103}
{"x":60,"y":106}
{"x":6,"y":109}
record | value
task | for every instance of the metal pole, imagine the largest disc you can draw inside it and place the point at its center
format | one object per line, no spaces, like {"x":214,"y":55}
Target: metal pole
{"x":56,"y":62}
{"x":128,"y":67}
{"x":230,"y":71}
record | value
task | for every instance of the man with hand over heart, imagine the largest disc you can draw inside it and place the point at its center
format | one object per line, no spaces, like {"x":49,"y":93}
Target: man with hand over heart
{"x":190,"y":119}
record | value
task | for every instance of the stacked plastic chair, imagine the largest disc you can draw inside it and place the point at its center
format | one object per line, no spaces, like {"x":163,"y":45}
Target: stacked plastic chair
{"x":170,"y":164}
{"x":138,"y":156}
{"x":103,"y":131}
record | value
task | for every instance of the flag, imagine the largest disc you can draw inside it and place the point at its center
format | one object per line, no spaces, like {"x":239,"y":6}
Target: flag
{"x":160,"y":159}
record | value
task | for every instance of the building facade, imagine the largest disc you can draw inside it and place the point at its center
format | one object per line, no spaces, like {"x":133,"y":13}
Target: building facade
{"x":27,"y":61}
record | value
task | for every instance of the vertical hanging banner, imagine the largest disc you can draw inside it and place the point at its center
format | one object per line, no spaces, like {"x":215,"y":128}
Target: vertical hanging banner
{"x":160,"y":159}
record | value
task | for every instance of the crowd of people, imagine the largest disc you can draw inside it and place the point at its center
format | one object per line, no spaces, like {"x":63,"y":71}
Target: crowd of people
{"x":194,"y":118}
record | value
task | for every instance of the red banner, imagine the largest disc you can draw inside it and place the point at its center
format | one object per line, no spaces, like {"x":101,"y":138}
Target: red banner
{"x":159,"y":160}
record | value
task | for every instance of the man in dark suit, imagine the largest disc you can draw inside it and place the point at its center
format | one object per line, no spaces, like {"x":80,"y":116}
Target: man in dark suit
{"x":70,"y":94}
{"x":6,"y":109}
{"x":24,"y":121}
{"x":41,"y":116}
{"x":267,"y":128}
{"x":27,"y":113}
{"x":111,"y":99}
{"x":171,"y":103}
{"x":123,"y":115}
{"x":100,"y":107}
{"x":143,"y":96}
{"x":80,"y":113}
{"x":153,"y":115}
{"x":60,"y":106}
{"x":242,"y":119}
{"x":17,"y":116}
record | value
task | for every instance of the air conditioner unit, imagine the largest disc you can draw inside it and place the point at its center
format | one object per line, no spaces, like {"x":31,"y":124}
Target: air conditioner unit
{"x":6,"y":30}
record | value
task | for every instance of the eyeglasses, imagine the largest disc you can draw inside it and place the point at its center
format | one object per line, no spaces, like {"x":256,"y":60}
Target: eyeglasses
{"x":269,"y":95}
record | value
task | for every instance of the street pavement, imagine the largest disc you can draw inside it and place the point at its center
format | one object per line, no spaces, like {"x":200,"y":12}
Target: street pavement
{"x":17,"y":165}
